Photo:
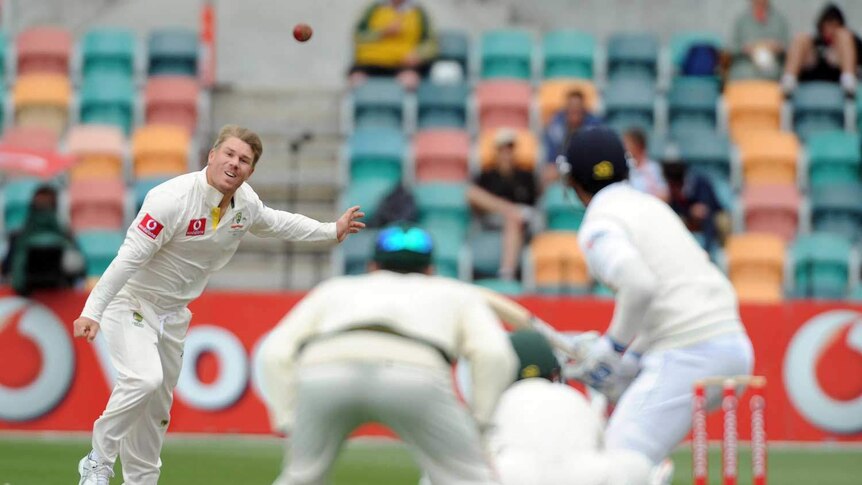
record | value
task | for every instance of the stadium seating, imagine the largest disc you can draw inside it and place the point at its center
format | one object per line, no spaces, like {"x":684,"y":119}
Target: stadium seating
{"x":630,"y":102}
{"x":108,"y":98}
{"x":552,"y":96}
{"x":454,"y":45}
{"x":837,"y":208}
{"x":31,"y":138}
{"x":817,"y":106}
{"x":504,"y":103}
{"x":526,"y":149}
{"x":358,"y":251}
{"x":486,"y":248}
{"x":559,"y":266}
{"x":44,"y":50}
{"x":692,"y":101}
{"x":442,"y":105}
{"x":772,"y":209}
{"x":755,"y":265}
{"x":506,"y":54}
{"x":752,"y":105}
{"x":821,"y":266}
{"x":859,"y":109}
{"x":834,"y":157}
{"x":504,"y":287}
{"x":17,"y":194}
{"x":706,"y":150}
{"x":379,"y":102}
{"x":98,"y":152}
{"x":99,"y":249}
{"x":172,"y":100}
{"x":561,"y":213}
{"x":769,"y":157}
{"x":97,"y":204}
{"x":367,"y":193}
{"x":4,"y":47}
{"x":173,"y":51}
{"x":681,"y":42}
{"x":444,"y":212}
{"x":159,"y":151}
{"x":568,"y":54}
{"x":376,"y":153}
{"x":633,"y":55}
{"x":42,"y":100}
{"x":108,"y":51}
{"x":142,"y":187}
{"x":441,"y":155}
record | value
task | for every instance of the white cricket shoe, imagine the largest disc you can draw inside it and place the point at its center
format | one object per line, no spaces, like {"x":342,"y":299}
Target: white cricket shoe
{"x":94,"y":472}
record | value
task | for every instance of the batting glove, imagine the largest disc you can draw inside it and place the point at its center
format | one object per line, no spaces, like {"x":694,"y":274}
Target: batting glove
{"x":601,"y":364}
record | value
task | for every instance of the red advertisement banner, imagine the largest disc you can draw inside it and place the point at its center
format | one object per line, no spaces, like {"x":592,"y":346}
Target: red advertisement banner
{"x":810,"y":353}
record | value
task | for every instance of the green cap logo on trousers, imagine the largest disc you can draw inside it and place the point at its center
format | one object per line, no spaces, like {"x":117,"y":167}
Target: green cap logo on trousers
{"x":137,"y":319}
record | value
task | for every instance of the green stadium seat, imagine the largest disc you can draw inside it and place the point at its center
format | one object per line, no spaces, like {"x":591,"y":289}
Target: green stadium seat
{"x":4,"y":48}
{"x":692,"y":101}
{"x":108,"y":51}
{"x":454,"y":45}
{"x":486,"y":248}
{"x":859,"y":108}
{"x":17,"y":194}
{"x":568,"y":54}
{"x":856,"y":293}
{"x":817,"y":106}
{"x":630,"y":101}
{"x":108,"y":99}
{"x":99,"y":249}
{"x":723,"y":190}
{"x":444,"y":212}
{"x":376,"y":153}
{"x":368,"y":193}
{"x":562,"y":213}
{"x":681,"y":42}
{"x":633,"y":55}
{"x":504,"y":287}
{"x":142,"y":187}
{"x":821,"y":266}
{"x":173,"y":51}
{"x":706,"y":150}
{"x":506,"y":54}
{"x":834,"y":157}
{"x":442,"y":105}
{"x":602,"y":291}
{"x":837,"y":208}
{"x":379,"y":102}
{"x":358,"y":250}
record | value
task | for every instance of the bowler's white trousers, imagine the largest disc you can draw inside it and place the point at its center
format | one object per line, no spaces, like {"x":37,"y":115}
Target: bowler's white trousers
{"x":146,"y":348}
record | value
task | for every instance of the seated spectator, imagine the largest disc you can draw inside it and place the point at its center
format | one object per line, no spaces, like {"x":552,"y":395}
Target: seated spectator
{"x":393,"y":39}
{"x":760,"y":36}
{"x":42,"y":255}
{"x":692,"y":196}
{"x":504,"y":195}
{"x":831,"y":54}
{"x":645,"y":174}
{"x":568,"y":120}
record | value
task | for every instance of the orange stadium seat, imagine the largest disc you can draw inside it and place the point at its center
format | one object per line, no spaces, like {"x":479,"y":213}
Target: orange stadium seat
{"x":769,"y":157}
{"x":44,"y":50}
{"x":160,"y":150}
{"x":526,"y":149}
{"x":504,"y":102}
{"x":98,"y":152}
{"x":42,"y":100}
{"x":172,"y":100}
{"x":442,"y":155}
{"x":97,"y":204}
{"x":31,"y":138}
{"x":755,"y":263}
{"x":558,"y":263}
{"x":772,"y":209}
{"x":552,"y":96}
{"x":752,"y":105}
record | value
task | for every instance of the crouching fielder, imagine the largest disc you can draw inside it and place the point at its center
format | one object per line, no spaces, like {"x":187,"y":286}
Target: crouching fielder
{"x":379,"y":347}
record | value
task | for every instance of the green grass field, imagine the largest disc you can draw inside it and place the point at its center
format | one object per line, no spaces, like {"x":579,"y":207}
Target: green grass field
{"x":215,"y":461}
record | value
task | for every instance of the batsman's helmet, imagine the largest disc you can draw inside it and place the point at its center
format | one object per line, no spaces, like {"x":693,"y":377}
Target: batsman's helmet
{"x":403,"y":247}
{"x":536,"y":357}
{"x":594,"y":157}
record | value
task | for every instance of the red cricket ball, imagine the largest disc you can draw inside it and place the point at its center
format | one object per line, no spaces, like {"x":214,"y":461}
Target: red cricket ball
{"x":302,"y":32}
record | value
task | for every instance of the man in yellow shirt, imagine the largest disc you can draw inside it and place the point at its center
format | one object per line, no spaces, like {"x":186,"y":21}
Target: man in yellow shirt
{"x":393,"y":39}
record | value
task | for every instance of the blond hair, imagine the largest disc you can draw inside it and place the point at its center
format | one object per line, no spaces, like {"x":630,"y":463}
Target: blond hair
{"x":245,"y":135}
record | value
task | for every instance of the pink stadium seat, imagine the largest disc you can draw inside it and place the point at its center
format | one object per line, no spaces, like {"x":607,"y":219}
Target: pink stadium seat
{"x":172,"y":100}
{"x":31,"y":138}
{"x":504,"y":103}
{"x":44,"y":50}
{"x":98,"y":151}
{"x":772,"y":209}
{"x":442,"y":155}
{"x":96,"y":204}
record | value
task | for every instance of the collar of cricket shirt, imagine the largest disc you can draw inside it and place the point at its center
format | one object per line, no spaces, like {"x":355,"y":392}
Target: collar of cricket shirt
{"x":212,"y":196}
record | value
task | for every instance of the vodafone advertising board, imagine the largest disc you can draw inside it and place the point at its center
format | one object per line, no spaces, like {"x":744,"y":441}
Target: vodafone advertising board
{"x":811,"y":354}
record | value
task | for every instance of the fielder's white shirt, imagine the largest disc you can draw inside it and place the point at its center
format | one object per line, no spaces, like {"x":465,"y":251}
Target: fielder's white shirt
{"x":179,"y":238}
{"x":693,"y":300}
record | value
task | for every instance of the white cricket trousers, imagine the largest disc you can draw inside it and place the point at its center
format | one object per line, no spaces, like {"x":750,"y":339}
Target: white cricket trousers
{"x":654,"y":413}
{"x":416,"y":403}
{"x":146,"y":349}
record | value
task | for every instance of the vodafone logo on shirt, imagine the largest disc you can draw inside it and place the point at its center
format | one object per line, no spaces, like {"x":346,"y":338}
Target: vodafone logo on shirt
{"x":196,"y":227}
{"x":150,"y":226}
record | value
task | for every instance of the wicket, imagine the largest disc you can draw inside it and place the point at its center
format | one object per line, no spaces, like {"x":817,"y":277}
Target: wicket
{"x":730,"y":436}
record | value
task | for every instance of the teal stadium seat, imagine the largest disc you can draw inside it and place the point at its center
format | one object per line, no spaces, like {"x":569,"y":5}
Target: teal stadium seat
{"x":561,"y":213}
{"x":379,"y":102}
{"x":4,"y":49}
{"x":142,"y":187}
{"x":368,"y":193}
{"x":443,"y":212}
{"x":692,"y":102}
{"x":108,"y":99}
{"x":173,"y":51}
{"x":376,"y":153}
{"x":108,"y":51}
{"x":817,"y":106}
{"x":633,"y":55}
{"x":630,"y":102}
{"x":681,"y":42}
{"x":859,"y":108}
{"x":486,"y":248}
{"x":99,"y":249}
{"x":504,"y":287}
{"x":17,"y":194}
{"x":834,"y":157}
{"x":837,"y":208}
{"x":706,"y":150}
{"x":856,"y":294}
{"x":454,"y":45}
{"x":568,"y":54}
{"x":506,"y":54}
{"x":442,"y":105}
{"x":602,"y":292}
{"x":821,"y":266}
{"x":358,"y":251}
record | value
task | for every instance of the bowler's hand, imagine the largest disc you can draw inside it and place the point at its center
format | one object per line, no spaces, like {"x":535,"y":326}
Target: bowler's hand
{"x":86,"y":328}
{"x":348,"y":223}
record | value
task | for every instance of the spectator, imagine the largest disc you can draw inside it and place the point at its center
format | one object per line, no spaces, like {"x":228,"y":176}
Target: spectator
{"x":760,"y":36}
{"x":692,"y":196}
{"x":568,"y":120}
{"x":644,"y":174}
{"x":504,"y":196}
{"x":832,"y":54}
{"x":393,"y":39}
